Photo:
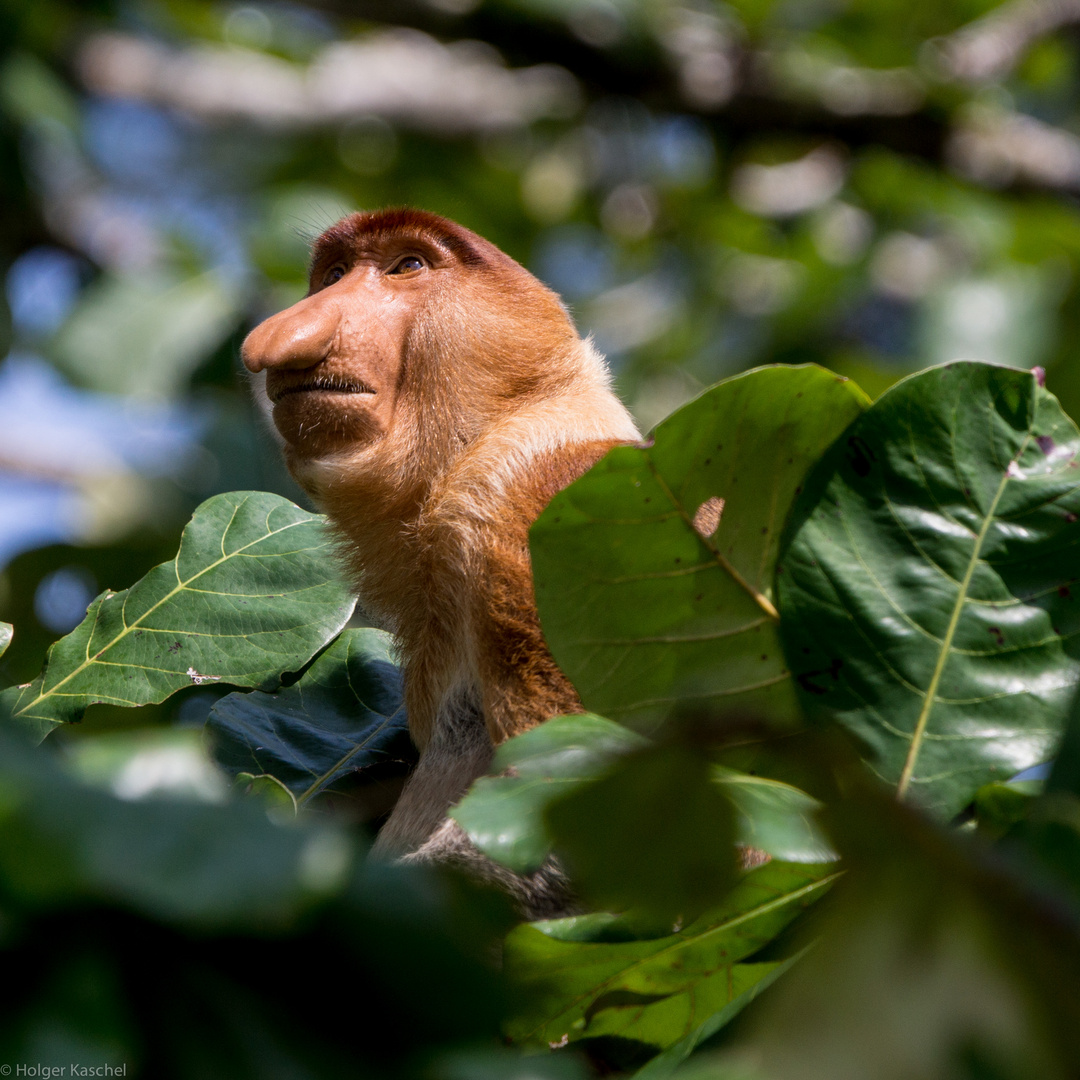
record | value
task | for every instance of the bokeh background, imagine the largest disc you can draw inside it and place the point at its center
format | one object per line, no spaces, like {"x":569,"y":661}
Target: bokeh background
{"x":872,"y":185}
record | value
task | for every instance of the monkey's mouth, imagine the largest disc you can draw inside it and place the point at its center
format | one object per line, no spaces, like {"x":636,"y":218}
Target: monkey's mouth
{"x":326,"y":384}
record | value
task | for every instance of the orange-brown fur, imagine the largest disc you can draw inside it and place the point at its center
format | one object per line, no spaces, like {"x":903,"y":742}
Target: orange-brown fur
{"x":471,"y":400}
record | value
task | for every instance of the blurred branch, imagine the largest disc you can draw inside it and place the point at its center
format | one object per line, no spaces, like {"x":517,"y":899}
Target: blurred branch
{"x":988,"y":49}
{"x":999,"y":149}
{"x":407,"y":76}
{"x":402,"y":75}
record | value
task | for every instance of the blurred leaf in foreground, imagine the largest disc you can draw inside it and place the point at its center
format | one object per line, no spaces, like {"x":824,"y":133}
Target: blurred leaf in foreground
{"x":653,"y":833}
{"x":504,"y":814}
{"x":182,"y":860}
{"x":933,"y":964}
{"x":126,"y":925}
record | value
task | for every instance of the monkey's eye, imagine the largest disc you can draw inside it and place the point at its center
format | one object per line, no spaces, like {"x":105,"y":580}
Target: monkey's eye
{"x":407,"y":265}
{"x":335,"y":273}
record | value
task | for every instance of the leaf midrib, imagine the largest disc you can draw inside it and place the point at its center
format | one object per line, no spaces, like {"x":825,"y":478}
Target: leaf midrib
{"x":945,"y":651}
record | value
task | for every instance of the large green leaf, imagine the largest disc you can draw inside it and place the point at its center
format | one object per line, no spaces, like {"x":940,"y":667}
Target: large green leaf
{"x":657,"y":990}
{"x":253,"y":592}
{"x":654,"y":571}
{"x":927,"y":585}
{"x":343,"y":713}
{"x":504,"y":814}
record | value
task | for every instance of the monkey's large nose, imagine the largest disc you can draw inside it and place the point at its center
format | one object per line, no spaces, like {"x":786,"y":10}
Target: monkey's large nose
{"x":299,"y":337}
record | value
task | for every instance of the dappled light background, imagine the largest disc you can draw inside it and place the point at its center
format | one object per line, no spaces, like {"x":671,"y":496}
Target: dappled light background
{"x":870,"y":185}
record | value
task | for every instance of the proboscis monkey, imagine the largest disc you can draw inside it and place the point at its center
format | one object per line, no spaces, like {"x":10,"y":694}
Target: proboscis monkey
{"x":433,"y":396}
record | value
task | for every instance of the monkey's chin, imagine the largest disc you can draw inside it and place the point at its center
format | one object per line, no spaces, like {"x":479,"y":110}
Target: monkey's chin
{"x":317,"y":423}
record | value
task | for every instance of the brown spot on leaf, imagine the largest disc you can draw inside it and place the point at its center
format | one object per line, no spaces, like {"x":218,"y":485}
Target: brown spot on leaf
{"x":1046,"y":444}
{"x":998,"y":635}
{"x":1040,"y":375}
{"x":707,"y":517}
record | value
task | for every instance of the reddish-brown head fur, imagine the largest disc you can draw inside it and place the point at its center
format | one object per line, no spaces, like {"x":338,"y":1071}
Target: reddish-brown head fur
{"x":433,"y":396}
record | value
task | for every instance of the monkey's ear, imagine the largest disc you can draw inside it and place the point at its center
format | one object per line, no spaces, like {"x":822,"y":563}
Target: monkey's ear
{"x":257,"y":382}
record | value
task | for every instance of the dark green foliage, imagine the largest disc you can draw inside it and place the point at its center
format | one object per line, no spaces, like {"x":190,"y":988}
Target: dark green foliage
{"x":344,"y":713}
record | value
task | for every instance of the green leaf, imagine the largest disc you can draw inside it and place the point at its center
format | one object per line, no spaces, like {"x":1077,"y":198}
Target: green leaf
{"x":253,"y":592}
{"x":503,"y":815}
{"x":640,"y":607}
{"x":775,"y":817}
{"x":7,"y":632}
{"x":343,"y":713}
{"x":654,"y":833}
{"x":656,"y":991}
{"x":665,"y":1063}
{"x":927,"y":586}
{"x":279,"y":800}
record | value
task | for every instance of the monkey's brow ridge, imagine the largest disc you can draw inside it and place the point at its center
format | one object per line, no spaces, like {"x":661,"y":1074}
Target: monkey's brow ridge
{"x":339,"y":238}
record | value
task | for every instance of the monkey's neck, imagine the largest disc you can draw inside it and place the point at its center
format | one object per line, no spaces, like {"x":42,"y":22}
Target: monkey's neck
{"x":448,"y":573}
